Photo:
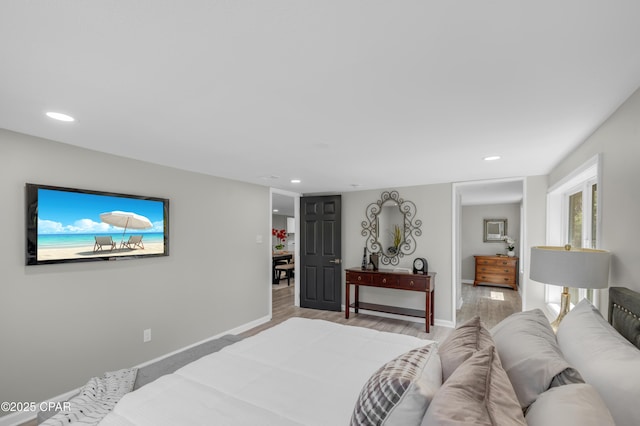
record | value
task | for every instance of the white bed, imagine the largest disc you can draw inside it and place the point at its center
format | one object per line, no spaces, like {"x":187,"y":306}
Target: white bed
{"x":301,"y":372}
{"x":313,"y":372}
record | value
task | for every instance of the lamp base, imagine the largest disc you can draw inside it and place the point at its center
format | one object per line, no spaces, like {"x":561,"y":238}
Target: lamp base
{"x":565,"y":303}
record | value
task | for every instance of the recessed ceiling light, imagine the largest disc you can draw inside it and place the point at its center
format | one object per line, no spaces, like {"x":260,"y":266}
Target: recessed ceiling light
{"x":275,"y":210}
{"x":491,"y":158}
{"x":60,"y":116}
{"x":295,"y":181}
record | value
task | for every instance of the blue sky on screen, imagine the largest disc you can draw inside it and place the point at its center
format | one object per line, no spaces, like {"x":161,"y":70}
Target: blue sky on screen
{"x":75,"y":212}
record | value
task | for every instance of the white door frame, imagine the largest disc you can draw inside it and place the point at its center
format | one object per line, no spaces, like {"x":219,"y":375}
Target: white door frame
{"x":296,"y":238}
{"x":456,"y":250}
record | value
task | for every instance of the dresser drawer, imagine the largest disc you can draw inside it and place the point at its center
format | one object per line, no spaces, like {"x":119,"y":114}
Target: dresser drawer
{"x":385,"y":280}
{"x":496,"y":278}
{"x":413,"y":283}
{"x":357,"y":278}
{"x":493,"y":269}
{"x":493,"y":261}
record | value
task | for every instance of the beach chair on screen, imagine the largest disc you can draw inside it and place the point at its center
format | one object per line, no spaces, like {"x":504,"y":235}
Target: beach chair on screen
{"x":133,"y":242}
{"x":103,"y":242}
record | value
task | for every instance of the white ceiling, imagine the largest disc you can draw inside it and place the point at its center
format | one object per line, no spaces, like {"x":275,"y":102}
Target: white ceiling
{"x":491,"y":192}
{"x":344,"y":95}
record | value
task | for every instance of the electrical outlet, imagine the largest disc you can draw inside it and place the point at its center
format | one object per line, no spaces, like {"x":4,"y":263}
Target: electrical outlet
{"x":146,"y":335}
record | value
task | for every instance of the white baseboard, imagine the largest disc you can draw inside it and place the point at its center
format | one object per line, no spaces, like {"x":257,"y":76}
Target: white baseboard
{"x":237,"y":330}
{"x":17,"y":418}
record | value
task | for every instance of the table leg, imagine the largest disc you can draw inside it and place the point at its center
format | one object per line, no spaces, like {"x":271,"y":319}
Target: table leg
{"x":427,"y":311}
{"x":432,"y":302}
{"x":357,"y":301}
{"x":346,"y":297}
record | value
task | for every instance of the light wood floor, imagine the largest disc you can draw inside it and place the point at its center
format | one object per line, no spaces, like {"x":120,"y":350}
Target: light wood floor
{"x":492,"y":304}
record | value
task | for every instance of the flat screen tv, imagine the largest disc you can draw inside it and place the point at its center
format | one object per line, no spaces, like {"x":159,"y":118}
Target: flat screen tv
{"x":79,"y":225}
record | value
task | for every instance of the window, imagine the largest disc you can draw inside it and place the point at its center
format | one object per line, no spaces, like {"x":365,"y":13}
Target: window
{"x":573,"y":219}
{"x":581,"y":226}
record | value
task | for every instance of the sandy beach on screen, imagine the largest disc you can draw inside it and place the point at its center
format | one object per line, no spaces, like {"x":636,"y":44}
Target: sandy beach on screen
{"x":87,"y":252}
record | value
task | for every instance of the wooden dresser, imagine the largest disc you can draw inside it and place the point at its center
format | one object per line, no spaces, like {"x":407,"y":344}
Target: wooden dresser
{"x":388,"y":278}
{"x":497,"y":270}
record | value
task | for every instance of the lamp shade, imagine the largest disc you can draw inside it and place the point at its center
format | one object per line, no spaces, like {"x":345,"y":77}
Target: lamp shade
{"x":581,"y":268}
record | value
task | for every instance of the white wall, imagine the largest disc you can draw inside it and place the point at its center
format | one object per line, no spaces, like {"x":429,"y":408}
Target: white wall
{"x":472,"y":220}
{"x":62,"y":324}
{"x":535,"y":215}
{"x":433,"y":205}
{"x":618,"y":139}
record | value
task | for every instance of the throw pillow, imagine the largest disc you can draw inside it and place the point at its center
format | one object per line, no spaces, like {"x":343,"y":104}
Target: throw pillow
{"x":477,"y":393}
{"x":531,"y":356}
{"x":570,"y":405}
{"x":604,"y":358}
{"x":463,"y":342}
{"x":401,"y":390}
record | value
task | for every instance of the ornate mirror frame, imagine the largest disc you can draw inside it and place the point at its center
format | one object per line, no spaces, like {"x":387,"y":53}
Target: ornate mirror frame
{"x":408,"y":233}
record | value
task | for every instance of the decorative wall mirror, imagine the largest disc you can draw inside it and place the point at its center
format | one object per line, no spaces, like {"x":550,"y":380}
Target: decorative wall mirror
{"x":390,"y":227}
{"x":494,"y":230}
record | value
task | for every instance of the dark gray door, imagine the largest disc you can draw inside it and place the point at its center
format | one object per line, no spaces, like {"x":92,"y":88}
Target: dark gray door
{"x":320,"y":253}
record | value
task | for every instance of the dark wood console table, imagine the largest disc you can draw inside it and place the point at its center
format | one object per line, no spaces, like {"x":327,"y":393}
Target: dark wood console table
{"x":387,"y":278}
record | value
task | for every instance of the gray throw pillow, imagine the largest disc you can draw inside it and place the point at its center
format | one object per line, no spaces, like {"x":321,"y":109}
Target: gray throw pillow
{"x":477,"y":393}
{"x":531,"y":356}
{"x":401,"y":390}
{"x":463,"y":342}
{"x":570,"y":405}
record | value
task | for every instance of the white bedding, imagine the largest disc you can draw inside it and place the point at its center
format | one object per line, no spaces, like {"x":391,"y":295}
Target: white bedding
{"x":301,"y":372}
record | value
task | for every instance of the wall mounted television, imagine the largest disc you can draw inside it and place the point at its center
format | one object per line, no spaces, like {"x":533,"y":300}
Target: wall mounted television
{"x":79,"y":225}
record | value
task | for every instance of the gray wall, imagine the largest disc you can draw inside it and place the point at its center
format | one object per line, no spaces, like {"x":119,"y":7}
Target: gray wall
{"x":433,"y":204}
{"x":618,"y":139}
{"x":62,"y":324}
{"x":472,"y":218}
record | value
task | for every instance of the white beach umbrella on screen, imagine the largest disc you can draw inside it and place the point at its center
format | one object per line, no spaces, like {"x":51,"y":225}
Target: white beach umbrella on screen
{"x":126,"y":220}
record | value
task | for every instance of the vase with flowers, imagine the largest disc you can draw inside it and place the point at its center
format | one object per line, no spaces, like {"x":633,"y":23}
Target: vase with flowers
{"x":511,"y":245}
{"x":281,"y":237}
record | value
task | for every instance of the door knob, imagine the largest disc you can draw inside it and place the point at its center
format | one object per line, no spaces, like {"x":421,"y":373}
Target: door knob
{"x":336,"y":261}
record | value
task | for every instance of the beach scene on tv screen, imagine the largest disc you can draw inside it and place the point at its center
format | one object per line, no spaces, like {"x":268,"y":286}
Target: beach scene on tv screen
{"x":75,"y":225}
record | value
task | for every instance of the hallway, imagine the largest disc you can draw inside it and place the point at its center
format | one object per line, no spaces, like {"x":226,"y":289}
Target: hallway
{"x":492,"y":304}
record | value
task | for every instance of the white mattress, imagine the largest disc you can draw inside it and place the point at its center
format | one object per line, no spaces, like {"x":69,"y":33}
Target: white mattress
{"x":301,"y":372}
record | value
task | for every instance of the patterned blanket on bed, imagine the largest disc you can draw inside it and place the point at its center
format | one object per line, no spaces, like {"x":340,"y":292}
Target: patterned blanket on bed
{"x":96,"y":399}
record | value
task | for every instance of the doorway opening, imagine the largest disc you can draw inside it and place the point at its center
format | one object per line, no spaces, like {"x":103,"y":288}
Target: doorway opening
{"x":476,"y":204}
{"x":284,"y":249}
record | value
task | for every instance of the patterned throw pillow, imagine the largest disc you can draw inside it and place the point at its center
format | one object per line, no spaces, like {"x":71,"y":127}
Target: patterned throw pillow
{"x":401,"y":390}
